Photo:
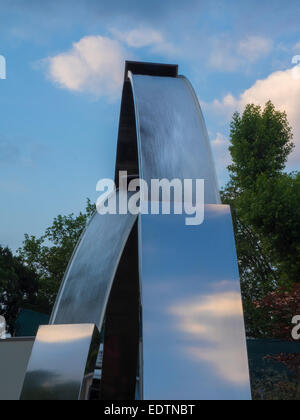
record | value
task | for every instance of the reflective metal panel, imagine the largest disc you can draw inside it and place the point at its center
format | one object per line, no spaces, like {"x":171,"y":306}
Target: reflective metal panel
{"x":122,"y":328}
{"x":194,"y":344}
{"x":62,"y":363}
{"x":194,"y":338}
{"x":172,"y":137}
{"x":88,"y":280}
{"x":14,"y":357}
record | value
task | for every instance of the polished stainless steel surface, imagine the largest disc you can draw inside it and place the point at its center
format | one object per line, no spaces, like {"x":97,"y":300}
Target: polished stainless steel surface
{"x":14,"y":357}
{"x":173,"y":143}
{"x":122,"y":327}
{"x":62,"y":363}
{"x":89,"y":277}
{"x":194,"y":344}
{"x":172,"y":137}
{"x":192,"y":322}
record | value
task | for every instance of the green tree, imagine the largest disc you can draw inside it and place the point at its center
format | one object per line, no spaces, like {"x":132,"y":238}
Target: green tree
{"x":18,"y":286}
{"x":265,"y":203}
{"x":261,"y":141}
{"x":273,"y":210}
{"x":48,"y":256}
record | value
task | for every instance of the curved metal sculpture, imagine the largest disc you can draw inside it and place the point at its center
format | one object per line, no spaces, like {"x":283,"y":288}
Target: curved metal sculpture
{"x":167,"y":296}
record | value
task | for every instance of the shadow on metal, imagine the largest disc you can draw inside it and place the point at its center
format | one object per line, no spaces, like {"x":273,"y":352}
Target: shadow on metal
{"x":62,"y":363}
{"x":121,"y":349}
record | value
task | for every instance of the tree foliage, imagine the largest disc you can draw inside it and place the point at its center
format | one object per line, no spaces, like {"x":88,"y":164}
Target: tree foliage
{"x":49,"y":255}
{"x":32,"y":278}
{"x":261,"y":140}
{"x":18,"y":286}
{"x":265,"y":202}
{"x":278,"y":309}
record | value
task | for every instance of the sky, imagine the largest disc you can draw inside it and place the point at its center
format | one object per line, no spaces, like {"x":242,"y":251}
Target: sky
{"x":60,"y":102}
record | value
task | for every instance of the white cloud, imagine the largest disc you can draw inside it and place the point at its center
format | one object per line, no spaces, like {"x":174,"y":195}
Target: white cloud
{"x":219,"y":141}
{"x":223,"y":56}
{"x":221,"y":153}
{"x":140,"y":37}
{"x":282,"y":88}
{"x":146,"y":37}
{"x":94,"y":65}
{"x":228,"y":55}
{"x":297,"y":46}
{"x":254,"y":47}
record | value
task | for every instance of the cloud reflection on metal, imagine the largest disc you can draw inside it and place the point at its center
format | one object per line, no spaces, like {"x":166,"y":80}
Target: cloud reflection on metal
{"x":181,"y":282}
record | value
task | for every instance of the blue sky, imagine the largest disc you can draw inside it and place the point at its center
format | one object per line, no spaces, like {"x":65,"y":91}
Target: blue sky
{"x":59,"y":106}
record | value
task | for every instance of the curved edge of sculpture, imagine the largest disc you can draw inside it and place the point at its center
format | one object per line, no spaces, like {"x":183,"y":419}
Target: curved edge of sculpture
{"x":117,"y":277}
{"x":69,"y":353}
{"x":160,"y":104}
{"x":62,"y":285}
{"x":206,"y":137}
{"x":88,"y":280}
